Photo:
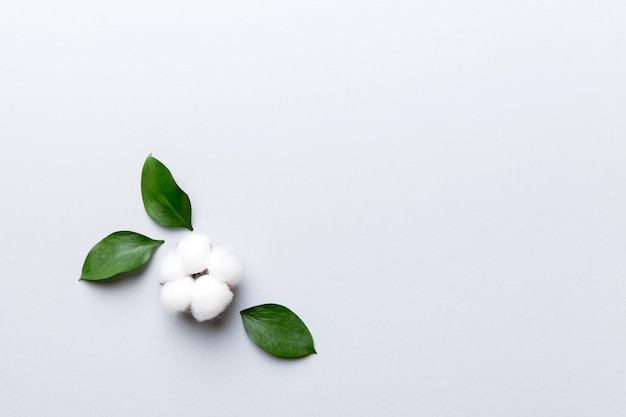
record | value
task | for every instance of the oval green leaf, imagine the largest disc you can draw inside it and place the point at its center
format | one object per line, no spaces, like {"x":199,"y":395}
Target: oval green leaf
{"x":119,"y":252}
{"x":163,"y":199}
{"x":278,"y":331}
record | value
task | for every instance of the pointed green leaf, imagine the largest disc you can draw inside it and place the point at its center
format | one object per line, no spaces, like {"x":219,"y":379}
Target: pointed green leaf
{"x":119,"y":252}
{"x":163,"y":199}
{"x":278,"y":331}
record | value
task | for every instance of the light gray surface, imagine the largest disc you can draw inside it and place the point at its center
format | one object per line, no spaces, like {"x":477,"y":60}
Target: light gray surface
{"x":437,"y":188}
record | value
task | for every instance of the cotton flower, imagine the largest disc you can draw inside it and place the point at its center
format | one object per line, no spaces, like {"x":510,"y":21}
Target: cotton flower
{"x":198,"y":277}
{"x":210,"y":297}
{"x":176,"y":295}
{"x":223,"y":265}
{"x":193,"y":251}
{"x":170,"y":268}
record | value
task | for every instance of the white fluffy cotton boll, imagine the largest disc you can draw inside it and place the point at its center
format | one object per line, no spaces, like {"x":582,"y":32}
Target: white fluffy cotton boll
{"x":176,"y":295}
{"x":210,"y":297}
{"x":223,"y":265}
{"x":170,"y":268}
{"x":193,"y":250}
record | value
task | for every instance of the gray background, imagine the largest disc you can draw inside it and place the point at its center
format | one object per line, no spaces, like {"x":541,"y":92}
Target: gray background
{"x":437,"y":188}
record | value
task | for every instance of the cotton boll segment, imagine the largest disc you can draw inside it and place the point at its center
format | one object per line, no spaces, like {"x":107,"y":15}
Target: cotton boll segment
{"x":170,"y":268}
{"x":223,"y":265}
{"x":210,"y":297}
{"x":193,"y":250}
{"x":176,"y":295}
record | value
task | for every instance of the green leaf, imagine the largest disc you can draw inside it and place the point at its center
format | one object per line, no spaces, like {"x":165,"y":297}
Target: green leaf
{"x":278,"y":330}
{"x":163,"y":199}
{"x":118,"y":252}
